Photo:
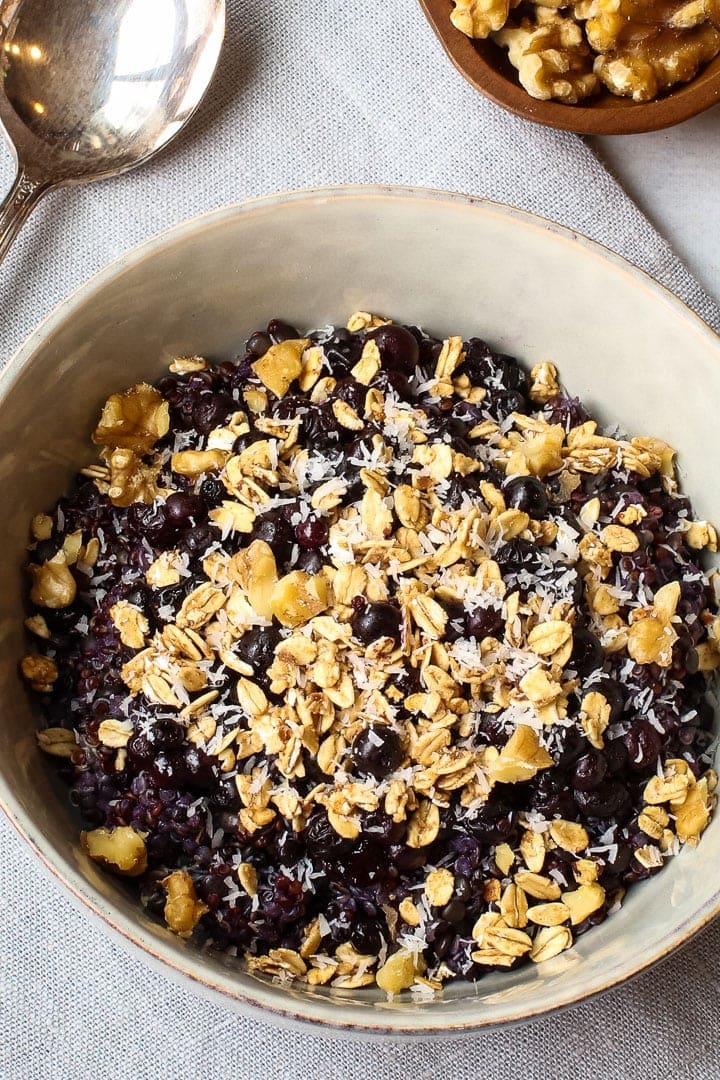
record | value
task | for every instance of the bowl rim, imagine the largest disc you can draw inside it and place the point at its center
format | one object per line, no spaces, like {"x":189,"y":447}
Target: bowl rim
{"x":265,"y":1003}
{"x":625,"y":118}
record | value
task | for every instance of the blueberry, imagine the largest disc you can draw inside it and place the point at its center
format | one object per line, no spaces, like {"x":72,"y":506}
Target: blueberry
{"x":373,"y":621}
{"x":282,"y":331}
{"x":342,"y":351}
{"x":310,"y":561}
{"x":469,"y":414}
{"x":183,"y":510}
{"x":408,"y":682}
{"x":617,"y":756}
{"x":483,"y":622}
{"x":365,"y":937}
{"x":460,"y":489}
{"x":609,"y":800}
{"x":399,"y":350}
{"x":499,"y":404}
{"x":393,"y":382}
{"x":352,"y":393}
{"x":587,"y":654}
{"x":495,"y":370}
{"x":569,"y":412}
{"x":258,"y":344}
{"x":492,"y":727}
{"x":321,"y":839}
{"x":320,"y":427}
{"x":198,"y":539}
{"x":210,"y":411}
{"x":590,"y":771}
{"x":454,"y":912}
{"x":47,"y":549}
{"x":377,"y":751}
{"x":312,"y":533}
{"x":551,"y":795}
{"x":455,"y":625}
{"x":170,"y":597}
{"x":492,"y":822}
{"x":518,"y":554}
{"x":212,"y":491}
{"x":257,"y":648}
{"x":148,"y":521}
{"x":527,"y":493}
{"x":643,"y":744}
{"x":443,"y":425}
{"x":275,"y":530}
{"x":244,"y":441}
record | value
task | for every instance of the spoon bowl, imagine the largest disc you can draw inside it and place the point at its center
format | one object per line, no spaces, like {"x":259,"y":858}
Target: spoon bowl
{"x":90,"y":89}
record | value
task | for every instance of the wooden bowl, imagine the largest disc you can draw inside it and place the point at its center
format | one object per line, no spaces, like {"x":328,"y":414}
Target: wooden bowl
{"x":486,"y":66}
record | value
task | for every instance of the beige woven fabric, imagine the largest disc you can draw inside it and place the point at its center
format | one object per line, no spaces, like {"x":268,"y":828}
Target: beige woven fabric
{"x":316,"y":93}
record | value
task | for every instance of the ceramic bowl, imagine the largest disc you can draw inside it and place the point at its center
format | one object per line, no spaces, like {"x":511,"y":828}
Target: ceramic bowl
{"x":486,"y":66}
{"x":631,"y":351}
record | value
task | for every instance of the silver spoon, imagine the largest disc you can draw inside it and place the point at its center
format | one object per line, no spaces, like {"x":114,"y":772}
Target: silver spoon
{"x":91,"y":88}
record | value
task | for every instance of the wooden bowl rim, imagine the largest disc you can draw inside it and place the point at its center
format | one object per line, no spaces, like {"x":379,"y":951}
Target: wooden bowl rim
{"x":606,"y":116}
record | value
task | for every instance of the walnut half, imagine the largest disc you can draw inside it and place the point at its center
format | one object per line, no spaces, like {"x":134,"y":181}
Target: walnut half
{"x":553,"y":59}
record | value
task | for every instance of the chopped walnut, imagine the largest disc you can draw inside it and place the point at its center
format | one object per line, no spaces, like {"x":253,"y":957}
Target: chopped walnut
{"x":182,"y":910}
{"x":647,"y":47}
{"x":281,"y":365}
{"x":553,"y":59}
{"x":398,"y":972}
{"x":121,"y":850}
{"x":478,"y":18}
{"x":134,"y":420}
{"x":544,"y":385}
{"x":131,"y":480}
{"x":53,"y":585}
{"x":40,"y":672}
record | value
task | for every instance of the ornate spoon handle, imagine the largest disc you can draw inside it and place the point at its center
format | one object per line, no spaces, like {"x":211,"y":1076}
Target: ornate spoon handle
{"x":17,"y":206}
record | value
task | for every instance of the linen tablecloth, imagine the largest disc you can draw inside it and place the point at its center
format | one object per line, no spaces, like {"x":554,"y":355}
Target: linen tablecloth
{"x":312,"y":94}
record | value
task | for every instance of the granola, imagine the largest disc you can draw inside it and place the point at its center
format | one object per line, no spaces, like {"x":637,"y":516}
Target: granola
{"x":375,"y":661}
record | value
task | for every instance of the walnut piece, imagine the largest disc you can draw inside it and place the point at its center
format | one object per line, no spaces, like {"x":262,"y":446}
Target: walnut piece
{"x":53,"y":585}
{"x":121,"y":850}
{"x":297,"y":597}
{"x":521,"y":757}
{"x":182,"y":910}
{"x":479,"y":18}
{"x":647,"y":46}
{"x":40,"y":672}
{"x":131,"y":479}
{"x":281,"y":365}
{"x":133,"y":420}
{"x":397,"y":973}
{"x":552,"y":59}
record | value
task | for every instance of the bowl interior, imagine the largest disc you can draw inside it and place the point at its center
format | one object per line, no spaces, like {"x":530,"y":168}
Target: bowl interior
{"x":486,"y":66}
{"x":622,"y":344}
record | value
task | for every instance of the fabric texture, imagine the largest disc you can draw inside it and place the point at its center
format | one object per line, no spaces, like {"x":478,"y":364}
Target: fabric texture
{"x":313,"y":94}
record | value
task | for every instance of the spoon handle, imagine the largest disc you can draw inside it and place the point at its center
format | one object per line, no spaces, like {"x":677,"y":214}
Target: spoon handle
{"x":17,"y":206}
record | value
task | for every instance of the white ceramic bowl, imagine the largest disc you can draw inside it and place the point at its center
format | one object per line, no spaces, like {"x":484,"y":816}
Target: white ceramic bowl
{"x":624,"y":345}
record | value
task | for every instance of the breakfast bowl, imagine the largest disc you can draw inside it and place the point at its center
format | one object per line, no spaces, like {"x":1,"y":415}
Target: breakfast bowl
{"x":486,"y":66}
{"x":630,"y":350}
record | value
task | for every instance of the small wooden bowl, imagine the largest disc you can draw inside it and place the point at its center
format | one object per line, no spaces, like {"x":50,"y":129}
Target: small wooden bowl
{"x":485,"y":65}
